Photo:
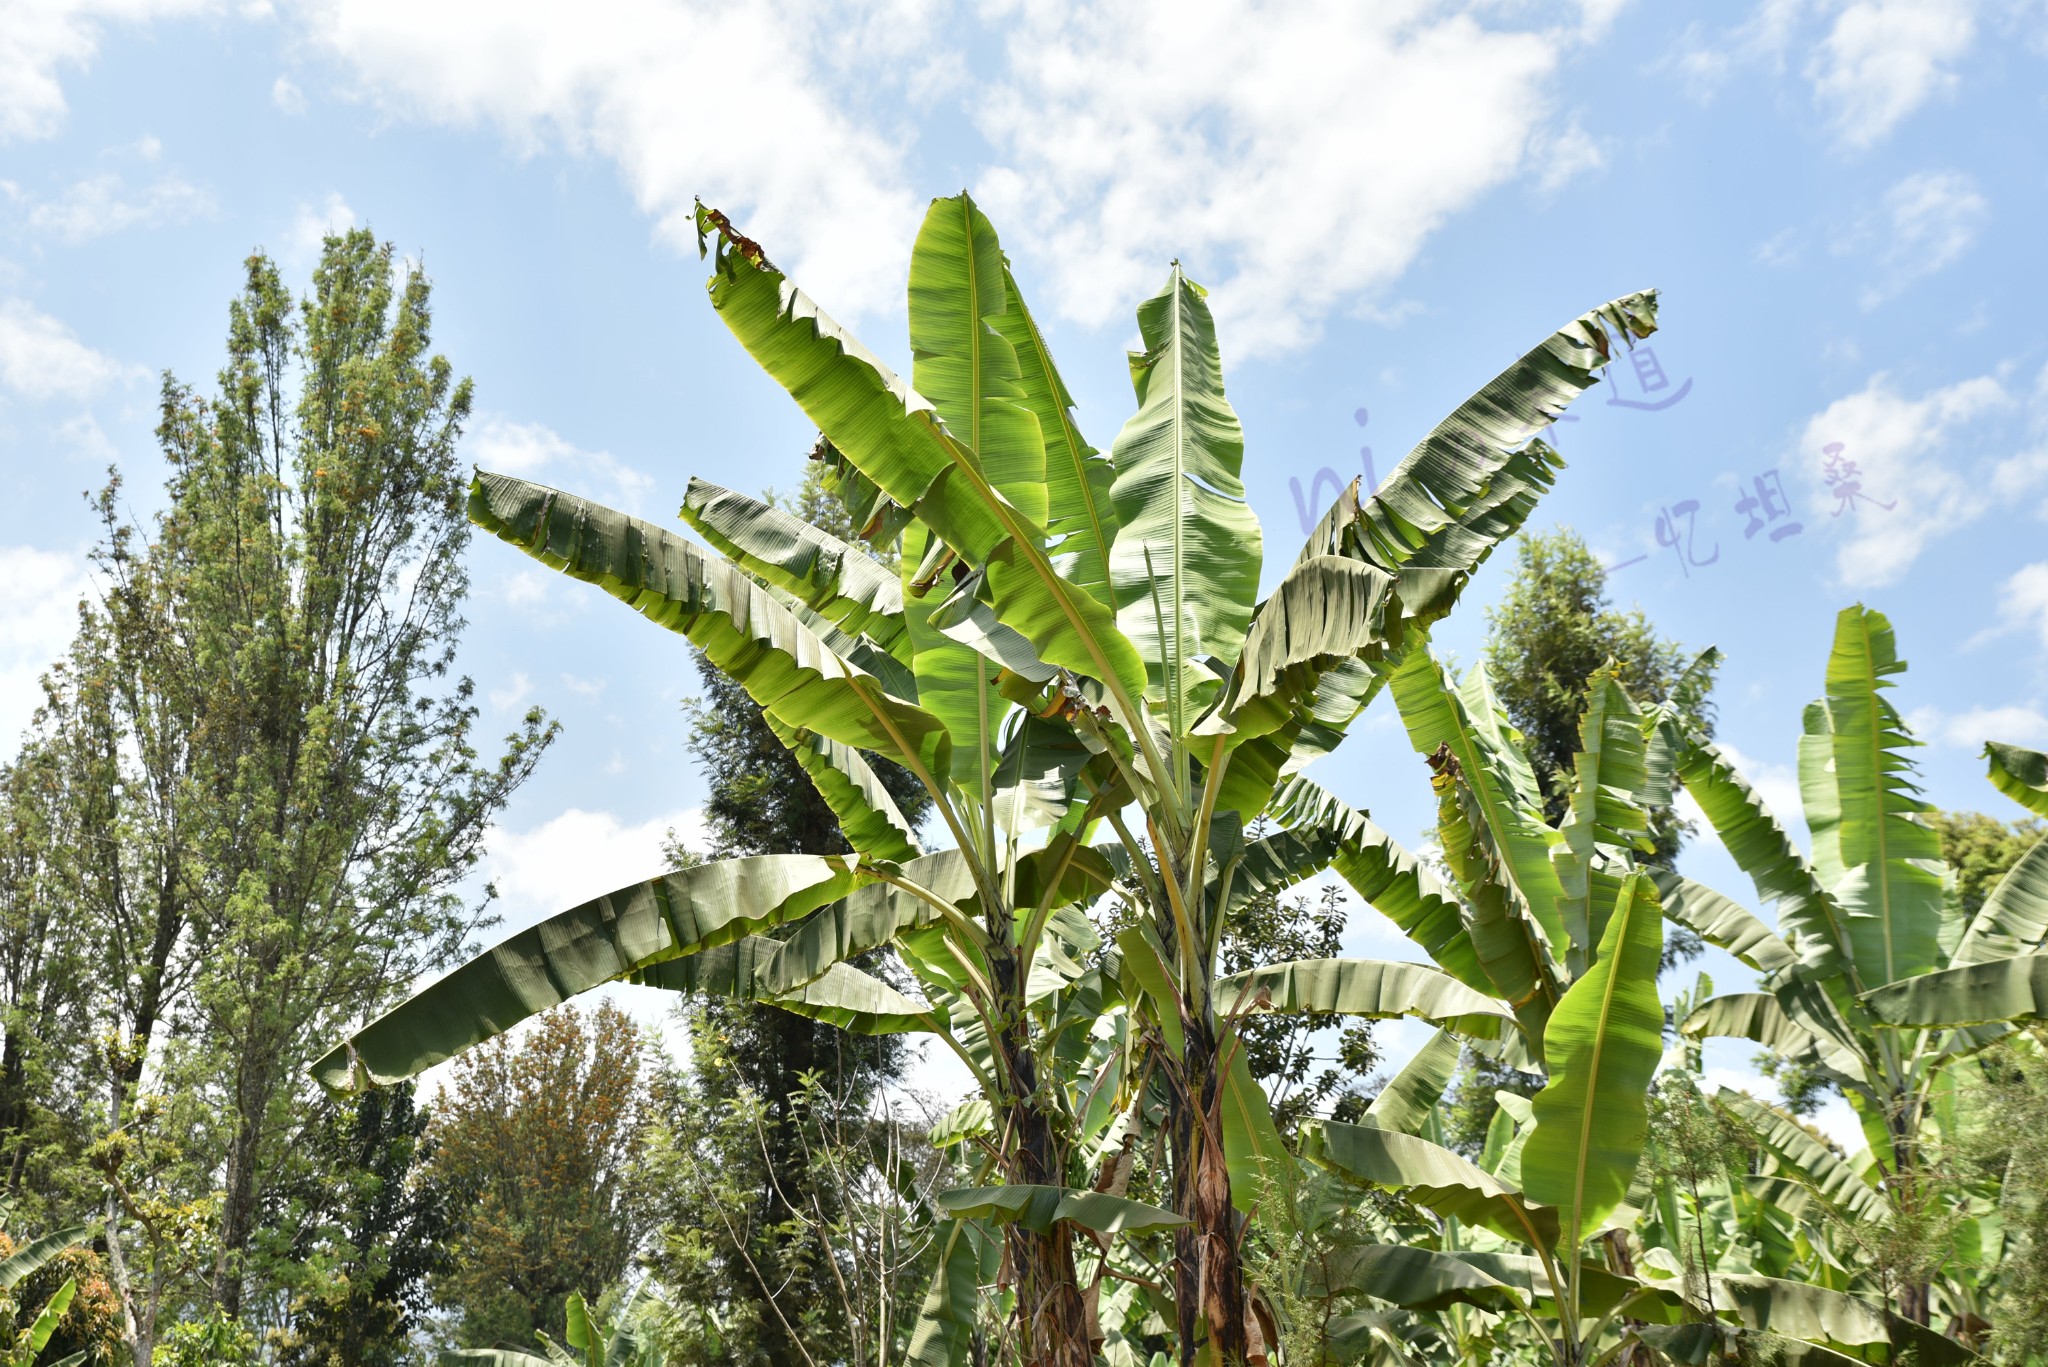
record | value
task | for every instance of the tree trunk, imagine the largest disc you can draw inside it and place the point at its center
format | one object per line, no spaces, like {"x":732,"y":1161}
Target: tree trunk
{"x":1208,"y":1275}
{"x":1052,"y":1318}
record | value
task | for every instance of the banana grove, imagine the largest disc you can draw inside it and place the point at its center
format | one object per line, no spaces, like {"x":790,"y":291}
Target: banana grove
{"x":1073,"y":659}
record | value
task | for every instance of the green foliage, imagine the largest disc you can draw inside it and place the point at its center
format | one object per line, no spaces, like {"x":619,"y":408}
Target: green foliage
{"x":1979,"y":850}
{"x":214,"y":1340}
{"x":535,"y":1146}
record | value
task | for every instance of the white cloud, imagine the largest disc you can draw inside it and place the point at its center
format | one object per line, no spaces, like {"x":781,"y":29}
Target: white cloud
{"x":101,"y":204}
{"x":38,"y":614}
{"x":1897,"y":445}
{"x":1930,"y":219}
{"x":39,"y":38}
{"x":1564,"y":156}
{"x":532,"y":451}
{"x":2023,"y":600}
{"x":2019,"y":724}
{"x":1291,"y":157}
{"x":1883,"y":59}
{"x":312,"y":226}
{"x":1776,"y":784}
{"x":516,"y":691}
{"x":750,"y":106}
{"x":41,"y":359}
{"x":576,"y":856}
{"x":286,"y":95}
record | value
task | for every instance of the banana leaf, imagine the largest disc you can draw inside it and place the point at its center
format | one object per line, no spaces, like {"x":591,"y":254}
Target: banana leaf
{"x":2014,"y":918}
{"x":944,"y":1332}
{"x":1369,"y":988}
{"x":1721,"y":922}
{"x":36,"y":1252}
{"x":1037,"y":1208}
{"x":2020,"y":774}
{"x":1081,"y":518}
{"x":588,"y":945}
{"x":1995,"y":990}
{"x":1890,"y":892}
{"x":1603,"y":1046}
{"x":739,"y":625}
{"x":868,"y":816}
{"x":842,"y":583}
{"x":1412,"y":1278}
{"x":1806,"y":1158}
{"x":1409,"y":1097}
{"x":1431,"y":1176}
{"x":1796,"y":1310}
{"x":1185,"y":566}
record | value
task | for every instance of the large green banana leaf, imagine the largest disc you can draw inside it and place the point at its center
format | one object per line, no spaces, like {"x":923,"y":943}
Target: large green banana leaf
{"x":1038,"y":1208}
{"x":1806,"y":1158}
{"x":1080,"y":515}
{"x":750,"y":636}
{"x":2020,"y":774}
{"x":955,"y":682}
{"x":1431,"y":1176}
{"x":1368,"y":988}
{"x":1702,"y":1344}
{"x":1599,"y":1289}
{"x":868,"y":816}
{"x":1807,"y":915}
{"x":581,"y":948}
{"x":1411,"y":1095}
{"x":842,"y":583}
{"x":1412,"y":1278}
{"x":891,"y":434}
{"x":1820,"y":796}
{"x":1263,"y":1173}
{"x":1471,"y":482}
{"x":2014,"y":918}
{"x":961,"y":362}
{"x":1387,"y":878}
{"x":1890,"y":891}
{"x":1185,"y":565}
{"x":1721,"y":922}
{"x":32,"y":1255}
{"x":2012,"y":989}
{"x":1603,"y":1045}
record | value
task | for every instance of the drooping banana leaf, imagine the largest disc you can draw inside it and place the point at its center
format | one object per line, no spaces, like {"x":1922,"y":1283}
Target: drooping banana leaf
{"x":1431,"y":1176}
{"x":2014,"y":918}
{"x":1412,"y":1278}
{"x":944,"y":1332}
{"x":1388,"y":878}
{"x":1721,"y":922}
{"x":1813,"y":1314}
{"x":32,"y":1255}
{"x":1037,"y":1208}
{"x":1185,"y":565}
{"x":1407,"y":1100}
{"x":1994,"y":990}
{"x":891,"y":434}
{"x":1603,"y":1045}
{"x":1758,"y":844}
{"x":1890,"y":892}
{"x":842,"y":996}
{"x":1599,"y":1289}
{"x":1368,"y":988}
{"x":868,"y":816}
{"x":842,"y":583}
{"x":1701,"y":1344}
{"x":1327,"y":610}
{"x":1761,"y":1018}
{"x":581,"y":948}
{"x":750,"y":636}
{"x":2020,"y":774}
{"x":1080,"y":515}
{"x":1472,"y":481}
{"x":1263,"y":1174}
{"x":1806,"y":1158}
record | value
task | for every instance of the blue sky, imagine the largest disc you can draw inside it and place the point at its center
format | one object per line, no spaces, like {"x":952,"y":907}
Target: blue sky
{"x":1840,"y":202}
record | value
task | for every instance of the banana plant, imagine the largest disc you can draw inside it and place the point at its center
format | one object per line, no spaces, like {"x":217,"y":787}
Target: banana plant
{"x":26,"y":1342}
{"x":1074,"y":662}
{"x":1873,"y":978}
{"x":586,"y":1341}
